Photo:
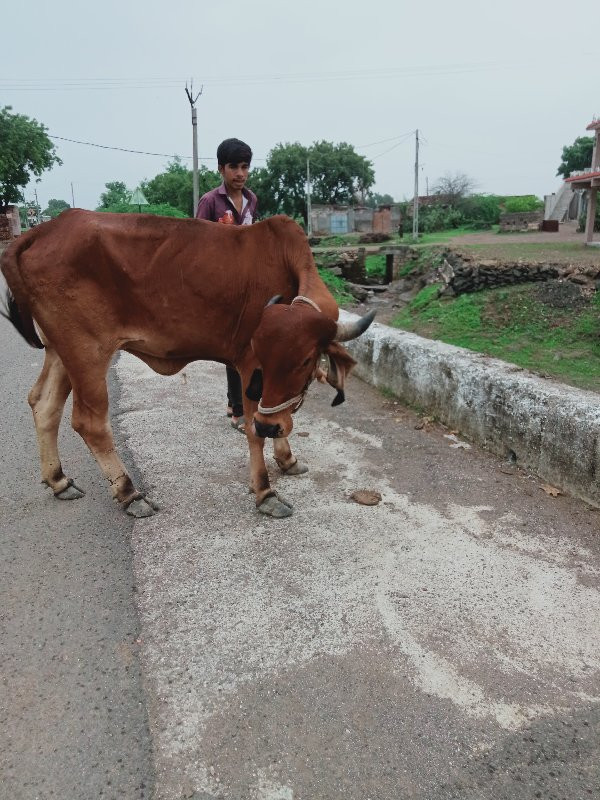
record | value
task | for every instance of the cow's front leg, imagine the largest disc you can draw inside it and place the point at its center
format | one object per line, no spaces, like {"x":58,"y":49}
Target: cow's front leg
{"x":268,"y":501}
{"x":286,"y":460}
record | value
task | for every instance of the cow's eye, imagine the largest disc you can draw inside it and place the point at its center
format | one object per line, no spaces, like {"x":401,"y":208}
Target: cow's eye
{"x":306,"y":362}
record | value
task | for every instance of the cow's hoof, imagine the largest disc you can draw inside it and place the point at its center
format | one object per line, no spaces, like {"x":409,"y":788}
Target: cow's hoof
{"x":276,"y":506}
{"x":297,"y":468}
{"x":71,"y":492}
{"x":142,"y":507}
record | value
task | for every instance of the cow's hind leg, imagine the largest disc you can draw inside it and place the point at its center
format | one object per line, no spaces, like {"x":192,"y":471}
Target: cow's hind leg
{"x":286,"y":460}
{"x":90,"y":420}
{"x":47,"y":400}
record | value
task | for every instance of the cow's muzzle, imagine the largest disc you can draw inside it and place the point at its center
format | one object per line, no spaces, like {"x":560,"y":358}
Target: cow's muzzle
{"x":266,"y":430}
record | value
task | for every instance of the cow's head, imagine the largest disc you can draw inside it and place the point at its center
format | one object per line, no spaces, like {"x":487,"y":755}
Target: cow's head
{"x":289,"y":343}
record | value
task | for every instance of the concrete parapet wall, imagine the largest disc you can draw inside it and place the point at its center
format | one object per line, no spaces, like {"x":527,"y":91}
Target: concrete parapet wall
{"x":553,"y":429}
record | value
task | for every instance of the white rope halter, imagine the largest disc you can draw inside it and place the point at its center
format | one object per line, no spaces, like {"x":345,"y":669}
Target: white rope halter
{"x":301,"y":299}
{"x":297,"y":401}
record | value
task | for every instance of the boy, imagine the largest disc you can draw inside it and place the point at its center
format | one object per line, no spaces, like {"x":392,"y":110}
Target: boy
{"x":231,"y":203}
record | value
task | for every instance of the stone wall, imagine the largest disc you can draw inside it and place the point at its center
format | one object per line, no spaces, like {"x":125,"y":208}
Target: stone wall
{"x":462,"y":275}
{"x":546,"y":427}
{"x":521,"y":221}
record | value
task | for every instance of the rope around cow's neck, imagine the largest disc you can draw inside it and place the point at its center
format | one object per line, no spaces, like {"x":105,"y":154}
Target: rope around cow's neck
{"x":301,"y":299}
{"x":300,"y":397}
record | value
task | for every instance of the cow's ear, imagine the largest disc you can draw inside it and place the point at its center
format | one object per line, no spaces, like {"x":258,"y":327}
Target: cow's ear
{"x":340,"y":365}
{"x":255,"y":387}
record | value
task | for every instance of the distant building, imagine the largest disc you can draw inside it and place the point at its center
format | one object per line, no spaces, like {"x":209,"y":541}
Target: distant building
{"x":331,"y":220}
{"x":589,"y":179}
{"x":10,"y":223}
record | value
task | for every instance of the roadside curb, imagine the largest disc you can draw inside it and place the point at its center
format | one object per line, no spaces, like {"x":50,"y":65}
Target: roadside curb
{"x":551,"y":429}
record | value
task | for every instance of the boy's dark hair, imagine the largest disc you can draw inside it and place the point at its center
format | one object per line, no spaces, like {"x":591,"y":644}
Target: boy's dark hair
{"x":233,"y":151}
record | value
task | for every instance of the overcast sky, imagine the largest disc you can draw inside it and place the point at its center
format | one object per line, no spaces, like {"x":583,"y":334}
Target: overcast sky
{"x":495,"y":89}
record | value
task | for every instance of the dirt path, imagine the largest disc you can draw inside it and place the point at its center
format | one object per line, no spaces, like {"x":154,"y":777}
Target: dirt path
{"x":567,"y":233}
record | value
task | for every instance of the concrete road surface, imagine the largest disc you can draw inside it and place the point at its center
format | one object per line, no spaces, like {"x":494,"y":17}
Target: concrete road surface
{"x":441,"y":644}
{"x":73,"y":723}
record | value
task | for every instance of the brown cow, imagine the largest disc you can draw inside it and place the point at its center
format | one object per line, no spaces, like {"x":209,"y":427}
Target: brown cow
{"x":171,"y":291}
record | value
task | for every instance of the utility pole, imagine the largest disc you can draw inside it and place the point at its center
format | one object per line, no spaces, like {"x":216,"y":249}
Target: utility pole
{"x":308,"y":206}
{"x":415,"y":232}
{"x":192,"y":99}
{"x":38,"y":210}
{"x":72,"y":196}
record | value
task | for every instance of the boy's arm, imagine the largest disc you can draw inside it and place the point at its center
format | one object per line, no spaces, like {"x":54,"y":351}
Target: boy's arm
{"x":206,"y":209}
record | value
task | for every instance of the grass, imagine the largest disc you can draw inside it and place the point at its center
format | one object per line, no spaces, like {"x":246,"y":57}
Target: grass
{"x":437,"y":237}
{"x":341,"y":240}
{"x":440,"y":237}
{"x":337,"y":287}
{"x":375,"y":265}
{"x":559,"y":252}
{"x":516,"y":325}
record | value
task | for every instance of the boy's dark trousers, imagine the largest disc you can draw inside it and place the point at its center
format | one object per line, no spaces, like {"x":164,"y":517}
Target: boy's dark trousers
{"x":234,"y":392}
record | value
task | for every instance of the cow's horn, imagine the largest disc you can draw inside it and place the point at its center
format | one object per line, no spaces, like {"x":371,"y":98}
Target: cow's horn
{"x":351,"y":330}
{"x":274,"y":300}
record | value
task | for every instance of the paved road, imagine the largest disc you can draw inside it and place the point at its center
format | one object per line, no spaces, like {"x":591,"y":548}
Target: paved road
{"x":73,"y":720}
{"x":442,"y":644}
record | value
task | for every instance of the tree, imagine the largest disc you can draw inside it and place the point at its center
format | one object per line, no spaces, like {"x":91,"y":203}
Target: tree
{"x":159,"y":209}
{"x":116,"y":193}
{"x":576,"y":157}
{"x":175,"y":186}
{"x":338,"y":175}
{"x":55,"y":207}
{"x":374,"y":200}
{"x":454,"y":187}
{"x":261,"y":182}
{"x":286,"y":164}
{"x":25,"y":150}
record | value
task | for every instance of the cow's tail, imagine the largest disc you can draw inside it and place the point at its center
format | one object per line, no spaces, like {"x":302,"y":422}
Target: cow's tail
{"x":18,"y":312}
{"x":21,"y":319}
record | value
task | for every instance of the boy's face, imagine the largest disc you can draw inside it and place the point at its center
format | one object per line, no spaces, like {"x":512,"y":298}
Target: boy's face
{"x":235,"y":175}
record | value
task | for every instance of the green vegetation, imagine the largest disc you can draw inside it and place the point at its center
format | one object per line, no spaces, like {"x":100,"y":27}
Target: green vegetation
{"x":522,"y":324}
{"x":159,"y":209}
{"x":375,"y":265}
{"x":340,"y":240}
{"x":576,"y":156}
{"x":337,"y":287}
{"x":26,"y":151}
{"x":522,"y":203}
{"x":55,"y":207}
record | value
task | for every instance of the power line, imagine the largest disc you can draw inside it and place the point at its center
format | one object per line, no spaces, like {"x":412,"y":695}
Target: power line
{"x":383,"y":141}
{"x":124,"y":149}
{"x":78,"y":84}
{"x":389,"y":150}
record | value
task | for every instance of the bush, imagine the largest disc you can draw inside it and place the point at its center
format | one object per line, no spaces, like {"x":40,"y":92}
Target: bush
{"x":583,"y":219}
{"x":522,"y":203}
{"x":159,"y":210}
{"x":439,"y":218}
{"x":481,"y":210}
